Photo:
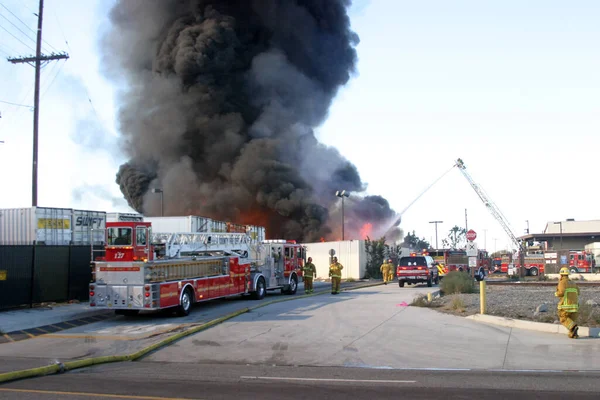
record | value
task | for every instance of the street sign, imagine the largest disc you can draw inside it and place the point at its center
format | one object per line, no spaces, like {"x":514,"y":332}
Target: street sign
{"x":332,"y":252}
{"x":472,"y":262}
{"x":471,"y":249}
{"x":471,"y":235}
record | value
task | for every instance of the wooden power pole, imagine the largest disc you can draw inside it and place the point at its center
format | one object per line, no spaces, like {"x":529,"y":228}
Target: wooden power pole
{"x":36,"y":61}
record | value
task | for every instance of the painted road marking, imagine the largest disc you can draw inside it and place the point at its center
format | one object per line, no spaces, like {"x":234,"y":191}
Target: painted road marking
{"x":278,"y":378}
{"x":83,"y":394}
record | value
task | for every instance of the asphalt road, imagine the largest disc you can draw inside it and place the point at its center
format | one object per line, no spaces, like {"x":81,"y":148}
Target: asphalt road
{"x":209,"y":381}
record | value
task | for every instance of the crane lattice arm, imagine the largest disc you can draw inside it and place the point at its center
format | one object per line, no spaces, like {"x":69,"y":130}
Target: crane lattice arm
{"x":489,"y":204}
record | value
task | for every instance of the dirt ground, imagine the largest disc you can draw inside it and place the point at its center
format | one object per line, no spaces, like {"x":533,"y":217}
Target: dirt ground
{"x":526,"y":303}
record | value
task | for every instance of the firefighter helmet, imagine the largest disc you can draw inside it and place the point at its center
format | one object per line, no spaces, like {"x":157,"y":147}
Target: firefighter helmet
{"x":564,"y":271}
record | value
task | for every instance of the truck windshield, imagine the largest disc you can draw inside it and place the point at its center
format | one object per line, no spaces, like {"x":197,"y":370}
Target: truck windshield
{"x":119,"y":236}
{"x":410,"y":261}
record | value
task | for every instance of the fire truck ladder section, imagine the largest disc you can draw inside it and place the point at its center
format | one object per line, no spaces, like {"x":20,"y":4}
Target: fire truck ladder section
{"x":495,"y":211}
{"x":190,"y":244}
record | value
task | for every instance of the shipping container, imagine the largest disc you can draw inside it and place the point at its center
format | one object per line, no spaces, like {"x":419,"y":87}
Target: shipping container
{"x":189,"y":223}
{"x":119,"y":217}
{"x":350,"y":253}
{"x":36,"y":225}
{"x":88,"y":227}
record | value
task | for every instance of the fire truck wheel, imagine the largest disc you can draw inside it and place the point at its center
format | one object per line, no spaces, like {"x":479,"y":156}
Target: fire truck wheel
{"x":260,"y":292}
{"x":401,"y":283}
{"x":186,"y":304}
{"x":574,"y":271}
{"x":293,"y":287}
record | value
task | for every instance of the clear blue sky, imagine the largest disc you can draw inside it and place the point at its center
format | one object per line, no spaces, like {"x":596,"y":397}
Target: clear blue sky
{"x":511,"y":87}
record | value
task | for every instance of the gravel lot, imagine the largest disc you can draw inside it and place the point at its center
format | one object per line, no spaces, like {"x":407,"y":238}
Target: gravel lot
{"x":521,"y":303}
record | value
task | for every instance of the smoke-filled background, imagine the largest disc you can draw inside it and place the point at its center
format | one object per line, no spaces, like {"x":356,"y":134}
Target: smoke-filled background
{"x":218,"y":108}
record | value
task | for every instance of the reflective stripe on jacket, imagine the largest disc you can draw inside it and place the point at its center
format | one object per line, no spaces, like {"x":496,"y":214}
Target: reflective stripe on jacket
{"x":570,"y":296}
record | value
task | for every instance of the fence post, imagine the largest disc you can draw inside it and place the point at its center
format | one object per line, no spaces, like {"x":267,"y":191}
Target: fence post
{"x":32,"y":281}
{"x":482,"y":299}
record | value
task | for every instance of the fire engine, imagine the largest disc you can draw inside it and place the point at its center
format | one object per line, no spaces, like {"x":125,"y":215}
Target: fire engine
{"x":144,"y":270}
{"x":457,"y":260}
{"x":580,"y":261}
{"x":534,"y":264}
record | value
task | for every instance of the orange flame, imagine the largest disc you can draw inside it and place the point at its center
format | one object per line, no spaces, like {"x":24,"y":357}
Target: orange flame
{"x":366,"y":230}
{"x":322,"y":240}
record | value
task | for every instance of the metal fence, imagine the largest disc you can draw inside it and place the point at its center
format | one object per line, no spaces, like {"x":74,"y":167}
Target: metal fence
{"x":31,"y":275}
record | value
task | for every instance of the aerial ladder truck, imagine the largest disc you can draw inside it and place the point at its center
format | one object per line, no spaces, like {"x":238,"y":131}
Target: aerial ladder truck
{"x":496,"y":213}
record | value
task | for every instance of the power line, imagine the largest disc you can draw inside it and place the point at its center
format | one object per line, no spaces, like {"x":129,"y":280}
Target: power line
{"x":15,"y":104}
{"x":28,"y":46}
{"x":27,"y":26}
{"x":52,"y":81}
{"x":19,"y":29}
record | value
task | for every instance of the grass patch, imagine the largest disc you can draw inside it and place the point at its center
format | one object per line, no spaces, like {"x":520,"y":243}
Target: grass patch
{"x":458,"y":304}
{"x":457,"y":282}
{"x":421,"y":301}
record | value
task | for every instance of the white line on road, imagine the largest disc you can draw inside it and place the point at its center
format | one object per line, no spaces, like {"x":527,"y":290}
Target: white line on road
{"x":278,"y":378}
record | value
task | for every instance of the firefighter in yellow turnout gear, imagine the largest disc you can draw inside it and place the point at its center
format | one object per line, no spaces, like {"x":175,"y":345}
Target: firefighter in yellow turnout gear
{"x":385,"y":269}
{"x":568,"y":306}
{"x":335,"y":272}
{"x":309,"y":271}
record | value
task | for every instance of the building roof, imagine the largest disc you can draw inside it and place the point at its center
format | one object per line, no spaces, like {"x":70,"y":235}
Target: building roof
{"x":573,"y":227}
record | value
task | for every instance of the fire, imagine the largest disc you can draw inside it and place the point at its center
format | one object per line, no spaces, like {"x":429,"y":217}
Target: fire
{"x":366,"y":230}
{"x":322,"y":240}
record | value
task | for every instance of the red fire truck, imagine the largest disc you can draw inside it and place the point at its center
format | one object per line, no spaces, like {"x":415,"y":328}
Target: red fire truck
{"x":535,"y":264}
{"x":457,"y":260}
{"x":580,"y":261}
{"x":144,"y":270}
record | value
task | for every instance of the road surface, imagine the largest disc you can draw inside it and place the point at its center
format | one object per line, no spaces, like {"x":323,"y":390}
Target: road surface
{"x":206,"y":381}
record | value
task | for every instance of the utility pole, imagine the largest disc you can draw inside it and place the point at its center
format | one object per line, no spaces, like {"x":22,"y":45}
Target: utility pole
{"x":37,"y":63}
{"x":436,"y":233}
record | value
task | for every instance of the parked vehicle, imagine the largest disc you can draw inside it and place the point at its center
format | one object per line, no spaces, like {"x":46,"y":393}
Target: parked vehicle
{"x":417,"y":268}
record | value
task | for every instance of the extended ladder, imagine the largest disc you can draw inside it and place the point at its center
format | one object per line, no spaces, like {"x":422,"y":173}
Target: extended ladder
{"x":176,"y":244}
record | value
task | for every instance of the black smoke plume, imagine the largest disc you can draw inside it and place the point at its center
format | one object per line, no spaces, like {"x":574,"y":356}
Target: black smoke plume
{"x":219,"y":106}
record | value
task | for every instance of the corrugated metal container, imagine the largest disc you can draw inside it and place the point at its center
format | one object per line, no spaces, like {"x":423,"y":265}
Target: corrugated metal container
{"x":189,"y":223}
{"x":42,"y":225}
{"x":119,"y":217}
{"x":88,"y":227}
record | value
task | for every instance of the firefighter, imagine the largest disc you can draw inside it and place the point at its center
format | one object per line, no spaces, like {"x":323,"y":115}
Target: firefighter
{"x":309,"y":271}
{"x":391,"y":276}
{"x":385,"y":270}
{"x":335,"y":272}
{"x":568,"y":305}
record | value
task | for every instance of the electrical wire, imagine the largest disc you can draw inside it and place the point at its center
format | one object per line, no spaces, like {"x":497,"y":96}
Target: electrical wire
{"x":19,"y":29}
{"x":15,"y":104}
{"x":10,"y":33}
{"x":52,"y":81}
{"x":27,"y":26}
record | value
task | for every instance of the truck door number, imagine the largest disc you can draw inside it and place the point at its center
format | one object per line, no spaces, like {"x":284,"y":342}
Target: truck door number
{"x":119,"y":255}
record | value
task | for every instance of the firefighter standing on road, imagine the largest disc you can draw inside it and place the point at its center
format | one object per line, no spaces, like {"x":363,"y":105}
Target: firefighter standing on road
{"x":568,"y":306}
{"x":335,"y":272}
{"x":385,"y":270}
{"x":309,"y":271}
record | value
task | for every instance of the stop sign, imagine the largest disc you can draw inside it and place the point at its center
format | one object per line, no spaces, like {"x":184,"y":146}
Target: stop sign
{"x":471,"y":235}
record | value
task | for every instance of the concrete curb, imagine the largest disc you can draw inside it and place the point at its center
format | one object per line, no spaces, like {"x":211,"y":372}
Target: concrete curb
{"x":533,"y":326}
{"x":88,"y":362}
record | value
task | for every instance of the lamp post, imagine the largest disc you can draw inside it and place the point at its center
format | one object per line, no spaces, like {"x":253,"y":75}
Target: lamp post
{"x":527,"y":226}
{"x":436,"y":234}
{"x":342,"y":194}
{"x":561,"y":243}
{"x":155,"y":190}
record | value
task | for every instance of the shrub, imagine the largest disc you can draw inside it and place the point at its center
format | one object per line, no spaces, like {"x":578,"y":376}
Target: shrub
{"x":457,"y":282}
{"x":421,"y":301}
{"x":458,"y":304}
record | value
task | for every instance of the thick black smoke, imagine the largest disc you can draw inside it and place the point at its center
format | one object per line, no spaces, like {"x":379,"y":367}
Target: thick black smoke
{"x":219,"y":108}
